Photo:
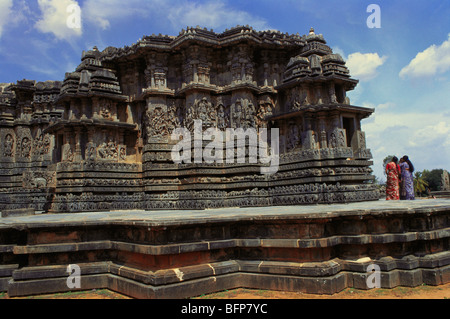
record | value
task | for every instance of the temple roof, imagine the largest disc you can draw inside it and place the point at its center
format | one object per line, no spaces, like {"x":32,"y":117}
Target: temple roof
{"x":208,"y":38}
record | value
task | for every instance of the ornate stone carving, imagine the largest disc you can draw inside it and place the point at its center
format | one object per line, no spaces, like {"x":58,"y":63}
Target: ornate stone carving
{"x":159,"y":124}
{"x":8,"y":146}
{"x":39,"y":180}
{"x":25,"y":147}
{"x":243,"y":114}
{"x":91,"y":152}
{"x":242,"y":65}
{"x":108,"y":151}
{"x":68,"y":154}
{"x":338,"y":138}
{"x":107,"y":125}
{"x":223,"y":116}
{"x":41,"y":144}
{"x":361,"y":140}
{"x":105,"y":109}
{"x":298,"y":98}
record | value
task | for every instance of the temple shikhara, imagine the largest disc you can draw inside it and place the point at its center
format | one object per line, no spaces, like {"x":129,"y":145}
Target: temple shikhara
{"x":101,"y":139}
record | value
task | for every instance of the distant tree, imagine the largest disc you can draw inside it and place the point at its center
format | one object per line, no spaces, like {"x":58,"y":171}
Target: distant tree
{"x":386,"y":161}
{"x":420,"y":185}
{"x":433,"y":178}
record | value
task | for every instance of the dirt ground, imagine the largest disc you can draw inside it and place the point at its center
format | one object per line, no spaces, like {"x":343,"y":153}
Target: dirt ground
{"x":421,"y":292}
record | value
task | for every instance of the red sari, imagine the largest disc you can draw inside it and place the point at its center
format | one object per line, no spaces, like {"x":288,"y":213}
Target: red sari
{"x":392,"y":184}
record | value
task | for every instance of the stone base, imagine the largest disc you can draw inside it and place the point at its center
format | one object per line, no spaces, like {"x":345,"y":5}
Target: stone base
{"x":319,"y":249}
{"x":17,"y":212}
{"x":219,"y":277}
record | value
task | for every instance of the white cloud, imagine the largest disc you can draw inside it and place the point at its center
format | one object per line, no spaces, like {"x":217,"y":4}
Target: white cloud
{"x":213,"y":14}
{"x":177,"y":13}
{"x":5,"y":13}
{"x":433,"y":60}
{"x":54,"y":19}
{"x":363,"y":66}
{"x":12,"y":14}
{"x":102,"y":12}
{"x":383,"y":106}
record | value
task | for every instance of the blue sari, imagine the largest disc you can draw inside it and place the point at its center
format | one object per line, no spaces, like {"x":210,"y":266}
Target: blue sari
{"x":407,"y":182}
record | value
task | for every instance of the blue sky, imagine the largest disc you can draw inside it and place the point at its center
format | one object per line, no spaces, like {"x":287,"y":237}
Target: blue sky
{"x":403,"y":67}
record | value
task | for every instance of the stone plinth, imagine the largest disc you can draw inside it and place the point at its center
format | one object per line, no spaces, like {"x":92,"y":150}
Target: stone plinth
{"x":176,"y":254}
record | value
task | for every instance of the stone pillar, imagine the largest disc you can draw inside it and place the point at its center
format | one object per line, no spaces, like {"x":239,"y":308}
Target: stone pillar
{"x":95,"y":108}
{"x":67,"y":150}
{"x":129,"y":112}
{"x":72,"y":110}
{"x":114,"y":112}
{"x":77,"y":155}
{"x":318,"y":94}
{"x":332,"y":93}
{"x":323,"y":133}
{"x":84,"y":107}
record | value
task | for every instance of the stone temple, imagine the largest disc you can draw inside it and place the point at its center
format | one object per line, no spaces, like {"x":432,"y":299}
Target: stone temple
{"x":101,"y":139}
{"x":101,"y":142}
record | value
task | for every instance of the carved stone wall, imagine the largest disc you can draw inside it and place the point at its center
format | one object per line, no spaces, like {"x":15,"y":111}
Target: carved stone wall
{"x":101,"y":139}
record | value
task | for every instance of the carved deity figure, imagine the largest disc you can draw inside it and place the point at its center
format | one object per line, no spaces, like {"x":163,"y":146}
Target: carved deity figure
{"x":202,"y":109}
{"x":105,"y":110}
{"x":68,"y":154}
{"x":189,"y":119}
{"x":237,"y":114}
{"x":108,"y":151}
{"x":159,"y":124}
{"x":91,"y":152}
{"x":205,"y":112}
{"x":261,"y":115}
{"x":250,"y":116}
{"x":333,"y":140}
{"x":222,"y":122}
{"x":25,"y":147}
{"x":337,"y":139}
{"x":123,"y":154}
{"x":41,"y":144}
{"x":8,"y":146}
{"x":173,"y":118}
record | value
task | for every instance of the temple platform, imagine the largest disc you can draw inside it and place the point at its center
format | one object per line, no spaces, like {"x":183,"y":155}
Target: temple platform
{"x":320,"y":249}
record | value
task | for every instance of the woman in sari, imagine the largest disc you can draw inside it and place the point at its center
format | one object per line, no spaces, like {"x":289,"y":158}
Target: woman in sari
{"x":407,"y":185}
{"x":392,"y":184}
